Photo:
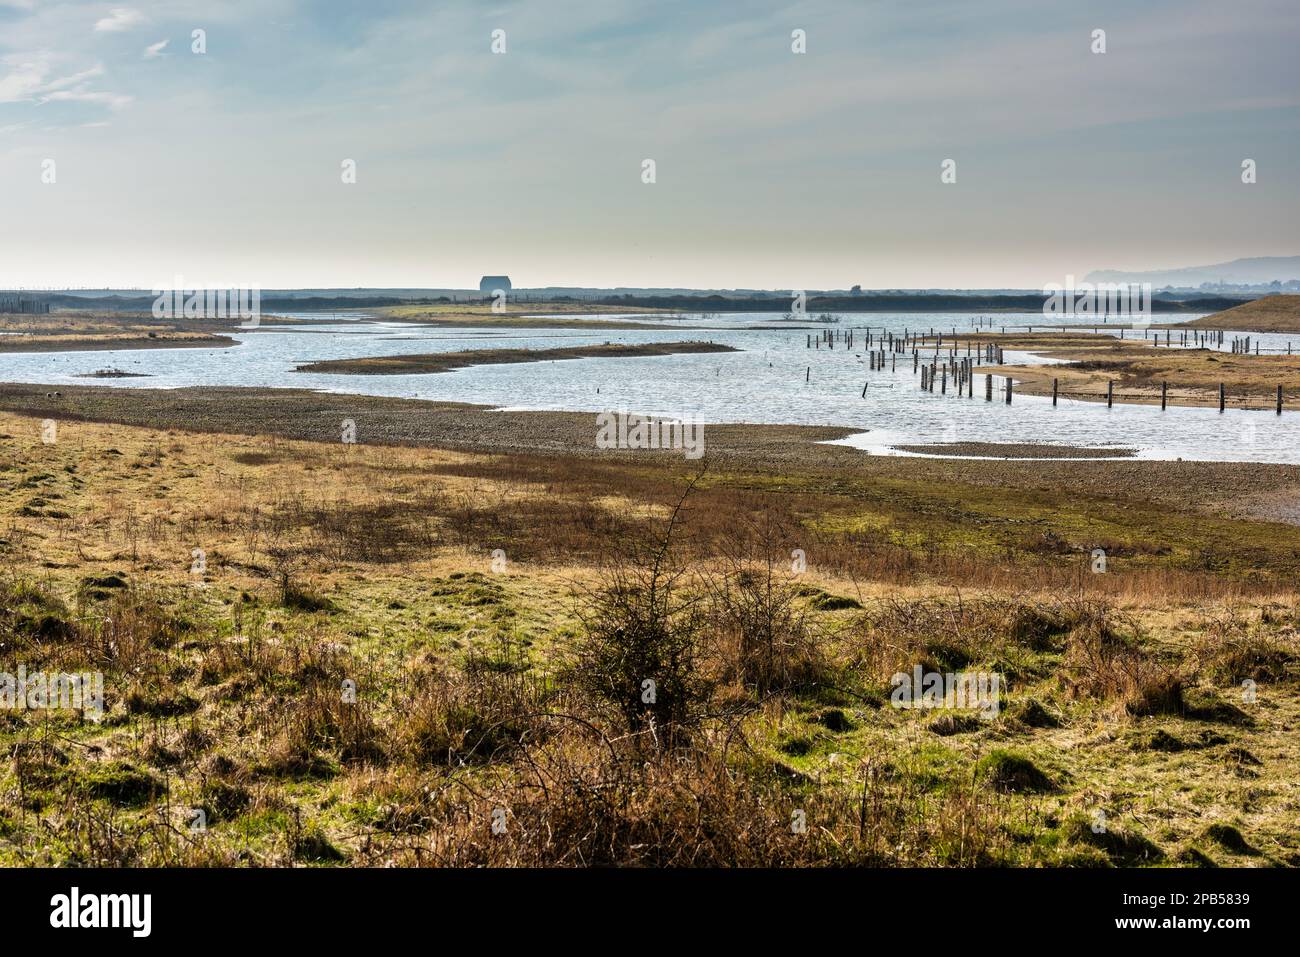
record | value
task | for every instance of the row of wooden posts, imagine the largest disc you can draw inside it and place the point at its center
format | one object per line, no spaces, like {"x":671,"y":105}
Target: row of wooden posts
{"x":884,"y":340}
{"x":887,"y":341}
{"x":895,"y":342}
{"x":886,"y":346}
{"x":962,"y":375}
{"x":1186,"y":337}
{"x":961,"y":371}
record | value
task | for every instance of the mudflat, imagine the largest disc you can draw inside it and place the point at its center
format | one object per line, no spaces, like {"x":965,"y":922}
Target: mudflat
{"x":449,"y":361}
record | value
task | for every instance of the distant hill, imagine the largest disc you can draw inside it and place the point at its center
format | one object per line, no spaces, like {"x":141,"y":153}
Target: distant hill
{"x":1260,"y":270}
{"x":1266,"y":314}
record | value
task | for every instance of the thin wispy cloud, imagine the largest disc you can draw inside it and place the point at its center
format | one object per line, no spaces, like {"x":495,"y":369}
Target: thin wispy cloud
{"x":155,"y":49}
{"x":122,"y":18}
{"x":30,"y":80}
{"x":114,"y":101}
{"x":34,"y":80}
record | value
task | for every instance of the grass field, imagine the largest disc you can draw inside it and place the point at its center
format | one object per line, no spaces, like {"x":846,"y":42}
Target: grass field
{"x":411,"y":655}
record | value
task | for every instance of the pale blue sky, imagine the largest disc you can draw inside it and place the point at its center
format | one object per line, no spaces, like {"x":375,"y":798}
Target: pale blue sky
{"x":775,"y":170}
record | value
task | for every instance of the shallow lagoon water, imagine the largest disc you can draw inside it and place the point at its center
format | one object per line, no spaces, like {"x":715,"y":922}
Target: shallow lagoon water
{"x":764,"y":383}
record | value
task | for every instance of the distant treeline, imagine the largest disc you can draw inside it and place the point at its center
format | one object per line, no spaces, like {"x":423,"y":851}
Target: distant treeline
{"x":145,"y":303}
{"x":922,"y":302}
{"x":867,"y":302}
{"x":23,"y":304}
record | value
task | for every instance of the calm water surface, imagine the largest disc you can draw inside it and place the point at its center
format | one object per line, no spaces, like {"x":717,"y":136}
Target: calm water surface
{"x":764,"y":383}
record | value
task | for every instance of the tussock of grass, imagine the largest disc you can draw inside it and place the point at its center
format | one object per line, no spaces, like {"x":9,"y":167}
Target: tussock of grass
{"x":1013,"y":773}
{"x":1122,"y":847}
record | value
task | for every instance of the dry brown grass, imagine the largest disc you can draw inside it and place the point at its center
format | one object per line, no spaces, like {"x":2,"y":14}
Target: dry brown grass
{"x":521,"y":691}
{"x":1279,"y":313}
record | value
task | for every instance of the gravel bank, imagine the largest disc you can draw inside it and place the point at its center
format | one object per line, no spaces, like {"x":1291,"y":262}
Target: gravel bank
{"x":784,"y":450}
{"x":1017,"y":450}
{"x":447,"y":361}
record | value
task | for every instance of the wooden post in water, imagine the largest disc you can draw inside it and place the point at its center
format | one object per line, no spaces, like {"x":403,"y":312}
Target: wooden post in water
{"x":988,"y":388}
{"x":1221,"y":397}
{"x":1008,"y":390}
{"x":1279,"y":400}
{"x":864,"y":390}
{"x":807,"y":376}
{"x":1110,"y":393}
{"x":1164,"y":395}
{"x":1054,"y":384}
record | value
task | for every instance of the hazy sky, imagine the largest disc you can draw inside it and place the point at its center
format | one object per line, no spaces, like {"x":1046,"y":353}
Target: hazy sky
{"x":774,"y":169}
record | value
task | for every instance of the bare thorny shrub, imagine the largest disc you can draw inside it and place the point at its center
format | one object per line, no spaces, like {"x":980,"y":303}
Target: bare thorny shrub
{"x":769,"y":642}
{"x":642,"y":647}
{"x":669,"y":778}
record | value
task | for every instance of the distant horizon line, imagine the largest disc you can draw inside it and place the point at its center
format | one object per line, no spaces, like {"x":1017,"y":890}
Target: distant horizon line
{"x":684,"y":290}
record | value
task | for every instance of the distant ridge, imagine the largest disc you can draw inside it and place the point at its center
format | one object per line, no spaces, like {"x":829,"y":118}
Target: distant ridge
{"x":1269,"y":314}
{"x":1259,"y":270}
